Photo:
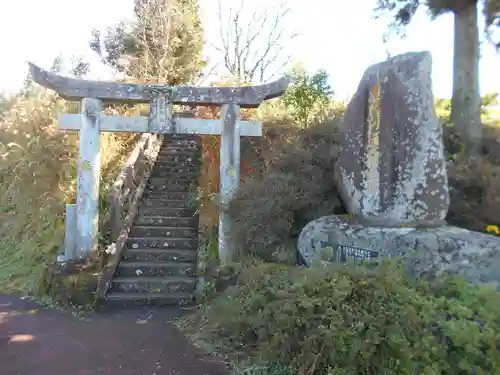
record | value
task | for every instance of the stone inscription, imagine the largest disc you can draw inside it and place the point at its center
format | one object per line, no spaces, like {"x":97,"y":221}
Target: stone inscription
{"x":344,"y":253}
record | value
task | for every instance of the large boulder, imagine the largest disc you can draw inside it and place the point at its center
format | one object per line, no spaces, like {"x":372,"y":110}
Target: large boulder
{"x":426,"y":252}
{"x":391,"y":167}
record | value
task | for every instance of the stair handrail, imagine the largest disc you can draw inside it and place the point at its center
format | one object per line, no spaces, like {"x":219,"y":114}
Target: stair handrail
{"x":120,"y":195}
{"x":127,"y":190}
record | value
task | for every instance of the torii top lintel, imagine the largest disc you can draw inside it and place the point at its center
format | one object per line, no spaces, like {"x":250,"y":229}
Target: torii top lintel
{"x":76,"y":89}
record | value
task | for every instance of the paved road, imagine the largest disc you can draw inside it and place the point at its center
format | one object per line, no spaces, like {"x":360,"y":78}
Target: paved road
{"x":35,"y":341}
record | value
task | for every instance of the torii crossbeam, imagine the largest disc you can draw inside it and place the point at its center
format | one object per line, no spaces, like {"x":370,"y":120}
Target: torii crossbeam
{"x":77,"y":89}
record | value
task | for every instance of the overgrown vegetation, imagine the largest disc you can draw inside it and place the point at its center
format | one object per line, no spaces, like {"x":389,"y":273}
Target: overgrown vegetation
{"x":290,"y":320}
{"x":296,"y":186}
{"x":345,"y":320}
{"x":163,"y":43}
{"x":37,"y":178}
{"x":474,"y":182}
{"x":294,"y":183}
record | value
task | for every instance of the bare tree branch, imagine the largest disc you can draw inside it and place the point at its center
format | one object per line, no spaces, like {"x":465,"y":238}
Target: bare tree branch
{"x":251,"y":48}
{"x":202,"y":77}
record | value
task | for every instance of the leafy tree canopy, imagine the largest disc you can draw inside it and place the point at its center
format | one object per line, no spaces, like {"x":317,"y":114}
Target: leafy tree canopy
{"x":404,"y":10}
{"x":164,"y":42}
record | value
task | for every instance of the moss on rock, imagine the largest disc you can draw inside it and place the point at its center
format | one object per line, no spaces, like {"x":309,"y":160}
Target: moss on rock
{"x":71,"y":283}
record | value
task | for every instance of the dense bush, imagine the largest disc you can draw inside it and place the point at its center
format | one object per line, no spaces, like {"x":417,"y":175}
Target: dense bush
{"x":357,"y":320}
{"x":475,"y":193}
{"x":295,"y":186}
{"x":346,"y":321}
{"x":474,"y":182}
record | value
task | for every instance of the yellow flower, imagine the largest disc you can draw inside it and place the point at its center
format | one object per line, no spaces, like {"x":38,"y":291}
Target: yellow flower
{"x":493,"y":229}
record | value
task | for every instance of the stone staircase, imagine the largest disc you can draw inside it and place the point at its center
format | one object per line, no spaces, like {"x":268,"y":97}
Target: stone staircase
{"x":158,"y":267}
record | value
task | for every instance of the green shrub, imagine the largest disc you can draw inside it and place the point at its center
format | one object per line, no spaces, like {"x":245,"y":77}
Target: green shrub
{"x":307,"y":94}
{"x":295,"y":186}
{"x":208,"y":251}
{"x":346,"y":320}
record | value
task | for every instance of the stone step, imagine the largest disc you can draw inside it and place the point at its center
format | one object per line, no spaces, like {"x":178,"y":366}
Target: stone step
{"x":155,"y":199}
{"x":168,"y":203}
{"x":183,"y":140}
{"x":182,"y":158}
{"x":189,"y":143}
{"x":175,"y":136}
{"x":178,"y":168}
{"x":162,"y":243}
{"x":178,"y":150}
{"x":177,"y":155}
{"x":173,"y":187}
{"x":166,"y":211}
{"x":175,"y":175}
{"x":122,"y":299}
{"x":163,"y":231}
{"x":163,"y":182}
{"x":134,"y":269}
{"x":162,"y":164}
{"x":174,"y":195}
{"x":181,"y":143}
{"x":159,"y":255}
{"x":170,"y":221}
{"x":154,"y":284}
{"x":195,"y":147}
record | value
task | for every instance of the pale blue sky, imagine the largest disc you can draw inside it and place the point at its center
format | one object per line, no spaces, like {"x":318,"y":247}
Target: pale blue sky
{"x":337,"y":35}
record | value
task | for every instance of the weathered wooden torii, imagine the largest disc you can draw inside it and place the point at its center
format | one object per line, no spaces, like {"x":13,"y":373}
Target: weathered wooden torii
{"x":90,"y":122}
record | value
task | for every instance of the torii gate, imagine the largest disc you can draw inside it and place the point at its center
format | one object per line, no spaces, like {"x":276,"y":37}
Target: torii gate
{"x":90,"y":122}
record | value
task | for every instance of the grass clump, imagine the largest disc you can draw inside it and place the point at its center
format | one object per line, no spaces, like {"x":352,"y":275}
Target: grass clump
{"x":213,"y":277}
{"x":346,"y":320}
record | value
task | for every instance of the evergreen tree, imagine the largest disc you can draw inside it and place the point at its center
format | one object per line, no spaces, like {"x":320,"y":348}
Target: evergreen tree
{"x":164,"y":42}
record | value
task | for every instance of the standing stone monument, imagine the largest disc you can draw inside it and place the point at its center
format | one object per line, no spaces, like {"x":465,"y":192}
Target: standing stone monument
{"x":391,"y":174}
{"x":391,"y":168}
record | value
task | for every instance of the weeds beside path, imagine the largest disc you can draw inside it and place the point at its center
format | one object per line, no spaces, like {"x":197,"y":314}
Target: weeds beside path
{"x":36,"y":341}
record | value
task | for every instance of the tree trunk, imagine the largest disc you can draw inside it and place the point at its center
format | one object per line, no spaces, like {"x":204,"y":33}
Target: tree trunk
{"x":465,"y":111}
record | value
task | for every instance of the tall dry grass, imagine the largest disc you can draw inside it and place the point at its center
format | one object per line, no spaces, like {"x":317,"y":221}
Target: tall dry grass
{"x":37,"y":178}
